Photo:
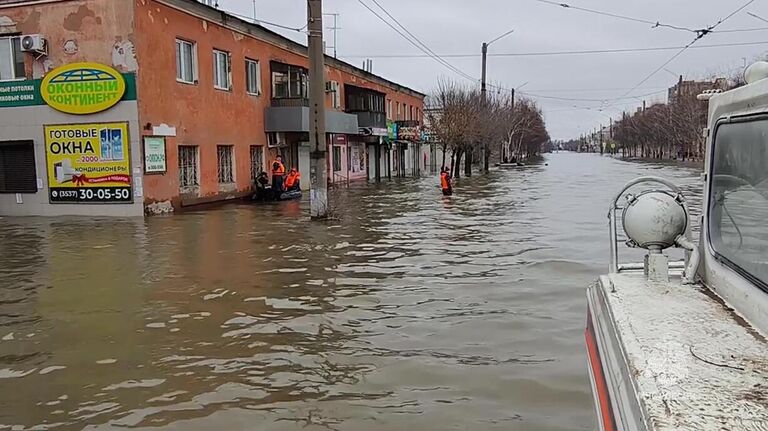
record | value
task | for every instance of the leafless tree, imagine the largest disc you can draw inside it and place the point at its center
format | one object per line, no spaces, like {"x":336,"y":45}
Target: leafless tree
{"x":472,"y":127}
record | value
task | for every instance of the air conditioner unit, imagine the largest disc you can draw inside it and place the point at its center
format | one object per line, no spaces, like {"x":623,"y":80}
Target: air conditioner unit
{"x":34,"y":43}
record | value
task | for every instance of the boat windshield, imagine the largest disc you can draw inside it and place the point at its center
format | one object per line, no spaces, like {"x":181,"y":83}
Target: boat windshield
{"x":738,"y":210}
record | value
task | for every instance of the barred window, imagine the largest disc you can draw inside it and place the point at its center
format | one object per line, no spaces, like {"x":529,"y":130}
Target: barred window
{"x":188,"y":166}
{"x":226,"y":165}
{"x":257,"y":161}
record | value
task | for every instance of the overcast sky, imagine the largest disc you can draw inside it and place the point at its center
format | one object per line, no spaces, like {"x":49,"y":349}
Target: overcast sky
{"x":460,"y":27}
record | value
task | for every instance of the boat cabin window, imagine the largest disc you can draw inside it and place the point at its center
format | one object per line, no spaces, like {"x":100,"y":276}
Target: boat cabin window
{"x":738,"y":210}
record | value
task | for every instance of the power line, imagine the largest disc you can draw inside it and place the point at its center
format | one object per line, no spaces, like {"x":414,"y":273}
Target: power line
{"x":558,"y":53}
{"x":741,"y":30}
{"x":418,"y":44}
{"x":681,"y":51}
{"x":613,"y":15}
{"x":575,"y":99}
{"x":653,"y":24}
{"x":427,"y":48}
{"x":261,"y":21}
{"x":584,"y":90}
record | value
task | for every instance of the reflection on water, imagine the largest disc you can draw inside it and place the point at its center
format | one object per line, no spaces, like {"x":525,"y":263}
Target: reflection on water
{"x":412,"y":311}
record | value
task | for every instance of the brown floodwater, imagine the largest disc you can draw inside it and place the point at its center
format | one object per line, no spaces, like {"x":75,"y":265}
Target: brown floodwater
{"x":410,"y":312}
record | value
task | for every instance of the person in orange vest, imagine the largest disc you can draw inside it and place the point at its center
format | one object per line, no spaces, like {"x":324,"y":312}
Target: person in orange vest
{"x":292,"y":181}
{"x":445,"y":182}
{"x":278,"y":172}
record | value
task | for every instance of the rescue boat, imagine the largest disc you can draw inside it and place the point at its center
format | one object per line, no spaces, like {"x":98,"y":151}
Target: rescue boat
{"x":681,"y":344}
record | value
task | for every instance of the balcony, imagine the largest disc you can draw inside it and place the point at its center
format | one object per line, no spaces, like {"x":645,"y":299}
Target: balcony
{"x":296,"y":119}
{"x":289,"y":102}
{"x":371,"y":119}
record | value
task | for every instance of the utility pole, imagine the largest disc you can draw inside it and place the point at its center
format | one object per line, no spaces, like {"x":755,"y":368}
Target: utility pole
{"x":318,"y":165}
{"x":483,"y":96}
{"x":482,"y":80}
{"x":601,"y":139}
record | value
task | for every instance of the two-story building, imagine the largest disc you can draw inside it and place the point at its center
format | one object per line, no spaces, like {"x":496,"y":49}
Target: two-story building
{"x":125,"y":107}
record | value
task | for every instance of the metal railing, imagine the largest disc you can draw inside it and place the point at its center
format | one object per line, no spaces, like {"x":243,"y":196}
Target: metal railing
{"x":339,"y":179}
{"x":615,"y":211}
{"x":289,"y":102}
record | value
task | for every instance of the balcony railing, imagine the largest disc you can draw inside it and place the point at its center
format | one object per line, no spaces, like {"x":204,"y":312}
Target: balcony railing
{"x":296,"y":102}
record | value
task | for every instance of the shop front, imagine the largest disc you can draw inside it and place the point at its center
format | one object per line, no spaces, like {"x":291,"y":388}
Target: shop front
{"x":408,"y":154}
{"x":69,"y":144}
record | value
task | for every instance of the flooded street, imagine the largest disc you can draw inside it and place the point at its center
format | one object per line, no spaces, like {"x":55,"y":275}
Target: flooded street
{"x":410,"y":312}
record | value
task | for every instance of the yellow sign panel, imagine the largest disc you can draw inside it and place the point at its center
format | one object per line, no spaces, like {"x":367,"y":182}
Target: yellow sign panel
{"x":88,"y":163}
{"x":82,"y":88}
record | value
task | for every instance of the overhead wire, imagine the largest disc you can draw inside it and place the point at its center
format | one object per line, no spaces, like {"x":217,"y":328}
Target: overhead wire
{"x":261,"y":21}
{"x":656,"y":24}
{"x":681,"y":51}
{"x":613,"y":15}
{"x":417,"y":43}
{"x":558,"y":53}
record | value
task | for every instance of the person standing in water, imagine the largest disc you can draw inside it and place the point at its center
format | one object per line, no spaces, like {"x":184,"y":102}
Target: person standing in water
{"x":445,"y":182}
{"x":278,"y":172}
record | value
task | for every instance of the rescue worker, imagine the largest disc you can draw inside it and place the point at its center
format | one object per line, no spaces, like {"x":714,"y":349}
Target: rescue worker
{"x":445,"y":182}
{"x":278,"y":172}
{"x":262,"y":187}
{"x":292,"y":181}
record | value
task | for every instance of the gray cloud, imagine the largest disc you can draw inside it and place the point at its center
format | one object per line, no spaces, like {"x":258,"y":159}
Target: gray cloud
{"x":460,"y":26}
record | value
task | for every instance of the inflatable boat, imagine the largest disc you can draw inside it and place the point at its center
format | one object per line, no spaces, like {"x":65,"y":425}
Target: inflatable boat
{"x":266,"y":195}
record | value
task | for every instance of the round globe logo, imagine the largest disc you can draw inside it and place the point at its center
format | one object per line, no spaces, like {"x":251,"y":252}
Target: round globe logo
{"x":82,"y":88}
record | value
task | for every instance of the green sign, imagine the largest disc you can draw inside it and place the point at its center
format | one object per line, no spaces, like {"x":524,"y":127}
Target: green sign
{"x":14,"y":94}
{"x":391,"y":130}
{"x":20,"y":93}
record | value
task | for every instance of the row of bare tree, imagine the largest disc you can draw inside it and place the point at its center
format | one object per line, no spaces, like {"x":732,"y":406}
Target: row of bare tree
{"x":663,"y":131}
{"x":473,"y":128}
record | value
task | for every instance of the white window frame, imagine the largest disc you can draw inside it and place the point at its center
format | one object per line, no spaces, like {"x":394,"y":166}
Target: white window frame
{"x":221,"y":169}
{"x":217,"y":55}
{"x":9,"y":40}
{"x":398,"y":111}
{"x":193,"y":51}
{"x":336,"y":94}
{"x":248,"y":63}
{"x":389,"y":109}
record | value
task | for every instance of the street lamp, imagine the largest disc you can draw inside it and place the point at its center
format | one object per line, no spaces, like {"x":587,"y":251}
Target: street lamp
{"x":485,"y":56}
{"x":483,"y":90}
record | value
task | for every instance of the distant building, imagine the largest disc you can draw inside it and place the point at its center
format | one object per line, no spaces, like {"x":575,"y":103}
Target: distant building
{"x":685,"y":91}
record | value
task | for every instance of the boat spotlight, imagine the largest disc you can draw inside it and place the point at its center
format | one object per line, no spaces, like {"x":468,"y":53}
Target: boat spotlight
{"x":756,"y":72}
{"x":654,"y":220}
